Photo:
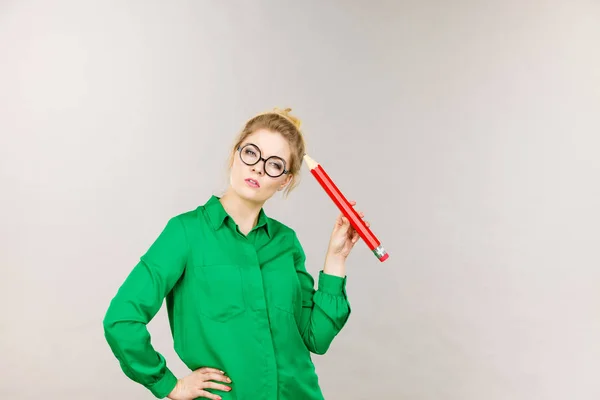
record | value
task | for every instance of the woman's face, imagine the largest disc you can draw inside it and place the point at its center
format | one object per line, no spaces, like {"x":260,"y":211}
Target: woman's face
{"x":251,"y":182}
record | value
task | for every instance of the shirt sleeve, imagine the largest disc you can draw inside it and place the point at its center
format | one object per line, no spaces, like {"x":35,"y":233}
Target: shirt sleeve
{"x":137,"y":301}
{"x":326,"y":310}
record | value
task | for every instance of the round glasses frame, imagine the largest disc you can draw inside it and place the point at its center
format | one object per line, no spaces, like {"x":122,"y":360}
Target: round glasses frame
{"x":260,"y":158}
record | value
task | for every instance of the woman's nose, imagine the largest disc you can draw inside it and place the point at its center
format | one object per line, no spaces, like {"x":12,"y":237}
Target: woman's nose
{"x":258,"y":167}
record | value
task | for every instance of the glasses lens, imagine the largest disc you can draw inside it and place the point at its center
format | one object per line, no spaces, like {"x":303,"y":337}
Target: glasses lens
{"x":274,"y":166}
{"x":250,"y":154}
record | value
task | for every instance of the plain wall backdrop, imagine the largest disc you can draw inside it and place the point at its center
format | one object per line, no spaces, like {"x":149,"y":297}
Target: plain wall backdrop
{"x":468,"y":132}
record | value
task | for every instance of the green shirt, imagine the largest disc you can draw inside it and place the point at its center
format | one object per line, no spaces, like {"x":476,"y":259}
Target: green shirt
{"x":244,"y":304}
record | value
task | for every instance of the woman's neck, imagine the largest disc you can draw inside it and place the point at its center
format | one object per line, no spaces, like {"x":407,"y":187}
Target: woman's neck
{"x":244,"y":212}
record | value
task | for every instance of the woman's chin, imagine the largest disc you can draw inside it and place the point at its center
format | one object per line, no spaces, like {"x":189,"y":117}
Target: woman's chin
{"x":255,"y":195}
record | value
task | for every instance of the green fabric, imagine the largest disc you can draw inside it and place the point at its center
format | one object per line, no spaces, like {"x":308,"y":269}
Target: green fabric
{"x":242,"y":304}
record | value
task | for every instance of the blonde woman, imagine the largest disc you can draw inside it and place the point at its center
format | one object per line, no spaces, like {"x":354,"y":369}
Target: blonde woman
{"x":243,"y":310}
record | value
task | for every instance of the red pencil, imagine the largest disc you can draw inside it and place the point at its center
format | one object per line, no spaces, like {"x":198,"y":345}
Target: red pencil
{"x":344,"y":205}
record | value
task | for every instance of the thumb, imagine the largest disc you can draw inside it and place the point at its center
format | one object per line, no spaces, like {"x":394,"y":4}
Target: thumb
{"x":345,"y":223}
{"x":339,"y":220}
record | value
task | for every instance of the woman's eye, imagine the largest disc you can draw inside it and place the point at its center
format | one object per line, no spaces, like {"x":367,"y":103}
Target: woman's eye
{"x":277,"y":165}
{"x":250,"y":152}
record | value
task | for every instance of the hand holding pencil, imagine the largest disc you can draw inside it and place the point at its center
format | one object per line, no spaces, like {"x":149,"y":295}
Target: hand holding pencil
{"x":344,"y":236}
{"x":347,"y":208}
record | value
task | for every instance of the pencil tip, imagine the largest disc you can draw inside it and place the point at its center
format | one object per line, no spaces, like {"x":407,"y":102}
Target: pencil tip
{"x":310,"y":163}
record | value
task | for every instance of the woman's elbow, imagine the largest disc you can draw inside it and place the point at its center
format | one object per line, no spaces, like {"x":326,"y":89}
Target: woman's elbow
{"x":318,"y":346}
{"x":320,"y":350}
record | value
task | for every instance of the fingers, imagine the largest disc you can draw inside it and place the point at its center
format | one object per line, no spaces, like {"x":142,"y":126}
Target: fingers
{"x":216,"y":376}
{"x":204,"y":370}
{"x":362,"y":215}
{"x":353,"y":236}
{"x":216,"y":386}
{"x":209,"y":378}
{"x":343,"y":222}
{"x":208,"y":395}
{"x":213,"y":374}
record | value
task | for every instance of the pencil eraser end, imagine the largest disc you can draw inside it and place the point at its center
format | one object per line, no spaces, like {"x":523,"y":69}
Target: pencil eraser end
{"x":385,"y":257}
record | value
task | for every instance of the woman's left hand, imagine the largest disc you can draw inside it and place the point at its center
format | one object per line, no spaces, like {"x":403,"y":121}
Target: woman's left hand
{"x":344,"y":237}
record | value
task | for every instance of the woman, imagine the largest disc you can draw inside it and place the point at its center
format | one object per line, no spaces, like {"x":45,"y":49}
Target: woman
{"x":242,"y":307}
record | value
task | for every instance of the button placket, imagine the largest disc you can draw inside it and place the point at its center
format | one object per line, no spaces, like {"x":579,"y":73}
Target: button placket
{"x":254,"y":284}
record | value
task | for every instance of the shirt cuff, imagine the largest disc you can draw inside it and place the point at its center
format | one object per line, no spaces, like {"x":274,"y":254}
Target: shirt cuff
{"x":332,"y":284}
{"x":164,"y":385}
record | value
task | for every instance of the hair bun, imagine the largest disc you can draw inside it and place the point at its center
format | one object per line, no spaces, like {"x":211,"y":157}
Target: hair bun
{"x":286,"y":114}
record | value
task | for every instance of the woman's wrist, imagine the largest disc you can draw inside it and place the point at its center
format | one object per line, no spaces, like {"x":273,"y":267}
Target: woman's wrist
{"x":335,"y":265}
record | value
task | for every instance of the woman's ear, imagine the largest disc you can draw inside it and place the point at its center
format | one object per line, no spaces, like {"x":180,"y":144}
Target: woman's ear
{"x":288,"y":179}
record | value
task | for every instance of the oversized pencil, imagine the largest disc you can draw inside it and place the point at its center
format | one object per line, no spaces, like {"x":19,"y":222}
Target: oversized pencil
{"x":344,"y":205}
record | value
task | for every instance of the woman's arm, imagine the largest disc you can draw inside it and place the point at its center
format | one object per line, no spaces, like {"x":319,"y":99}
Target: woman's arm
{"x":325,"y":311}
{"x":137,"y":301}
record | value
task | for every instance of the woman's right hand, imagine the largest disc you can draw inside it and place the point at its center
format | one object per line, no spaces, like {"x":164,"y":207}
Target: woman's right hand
{"x":193,"y":385}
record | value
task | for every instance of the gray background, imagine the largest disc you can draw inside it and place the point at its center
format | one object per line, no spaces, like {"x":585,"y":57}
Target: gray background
{"x":468,"y":132}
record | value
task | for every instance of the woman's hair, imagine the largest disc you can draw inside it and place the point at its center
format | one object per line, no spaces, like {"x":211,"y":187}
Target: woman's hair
{"x":288,"y":126}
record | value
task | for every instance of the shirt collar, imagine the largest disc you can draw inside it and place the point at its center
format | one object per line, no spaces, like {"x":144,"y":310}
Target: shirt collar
{"x":217,"y":215}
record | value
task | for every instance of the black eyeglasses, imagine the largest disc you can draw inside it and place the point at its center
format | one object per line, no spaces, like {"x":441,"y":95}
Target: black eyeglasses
{"x":274,"y":166}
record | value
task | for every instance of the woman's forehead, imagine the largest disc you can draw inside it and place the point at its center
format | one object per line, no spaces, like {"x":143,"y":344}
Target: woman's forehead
{"x":270,"y":143}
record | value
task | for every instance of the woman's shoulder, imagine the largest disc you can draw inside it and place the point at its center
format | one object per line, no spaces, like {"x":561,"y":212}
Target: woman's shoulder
{"x":279,"y":228}
{"x":187,"y":217}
